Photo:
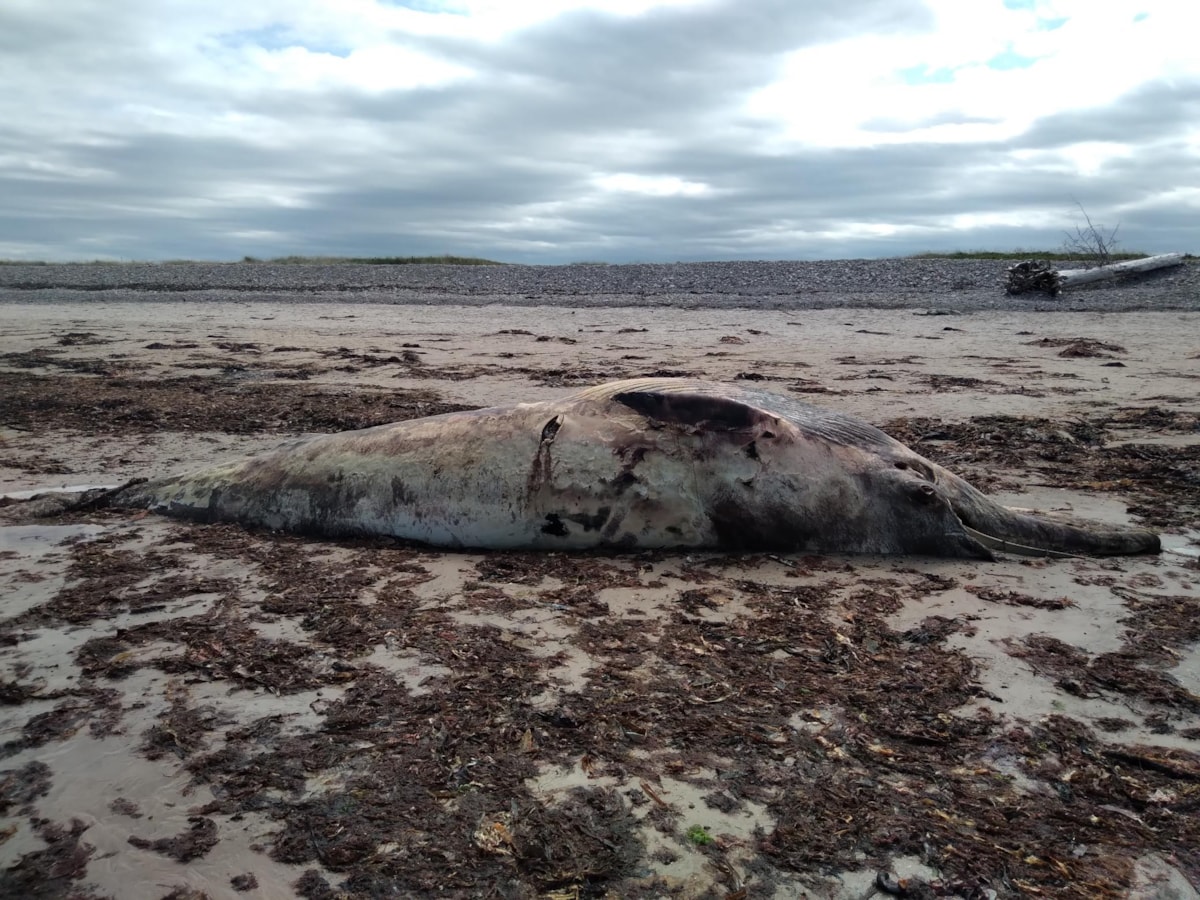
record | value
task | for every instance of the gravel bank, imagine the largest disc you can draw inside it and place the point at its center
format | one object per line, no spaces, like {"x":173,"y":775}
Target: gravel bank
{"x":962,"y":285}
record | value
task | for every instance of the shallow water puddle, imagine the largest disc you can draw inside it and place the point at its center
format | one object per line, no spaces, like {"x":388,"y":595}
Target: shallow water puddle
{"x":40,"y":539}
{"x":29,"y":575}
{"x":1185,"y":545}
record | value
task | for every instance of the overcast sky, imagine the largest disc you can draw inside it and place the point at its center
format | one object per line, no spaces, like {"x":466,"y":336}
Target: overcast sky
{"x":550,"y":131}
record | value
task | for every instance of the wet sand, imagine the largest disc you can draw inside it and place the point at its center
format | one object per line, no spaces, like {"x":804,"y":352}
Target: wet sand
{"x":256,"y":709}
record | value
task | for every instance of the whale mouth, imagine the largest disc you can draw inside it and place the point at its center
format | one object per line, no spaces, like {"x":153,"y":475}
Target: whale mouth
{"x":1001,"y":545}
{"x":1005,"y":530}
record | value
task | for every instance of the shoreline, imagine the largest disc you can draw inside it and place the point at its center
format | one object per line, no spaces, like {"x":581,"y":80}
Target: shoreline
{"x":959,"y":285}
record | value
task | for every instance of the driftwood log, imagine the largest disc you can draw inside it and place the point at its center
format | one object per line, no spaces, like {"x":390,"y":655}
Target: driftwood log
{"x":1026,"y":277}
{"x":1041,"y":276}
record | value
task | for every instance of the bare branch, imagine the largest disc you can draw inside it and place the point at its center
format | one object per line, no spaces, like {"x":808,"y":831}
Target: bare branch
{"x":1093,"y":241}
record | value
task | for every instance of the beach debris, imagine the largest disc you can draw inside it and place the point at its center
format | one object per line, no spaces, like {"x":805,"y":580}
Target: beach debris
{"x":1035,"y":275}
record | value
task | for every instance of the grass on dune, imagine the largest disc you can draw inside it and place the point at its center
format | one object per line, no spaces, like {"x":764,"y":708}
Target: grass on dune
{"x":445,"y":260}
{"x":1020,"y":254}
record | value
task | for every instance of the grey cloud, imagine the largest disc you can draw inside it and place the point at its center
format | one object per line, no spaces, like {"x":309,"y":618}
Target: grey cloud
{"x":505,"y":163}
{"x":1156,"y":110}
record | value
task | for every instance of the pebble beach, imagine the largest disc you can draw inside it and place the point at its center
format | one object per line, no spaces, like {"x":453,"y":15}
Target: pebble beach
{"x":962,"y":285}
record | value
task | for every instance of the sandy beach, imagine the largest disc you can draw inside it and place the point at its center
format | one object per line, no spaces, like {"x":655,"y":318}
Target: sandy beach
{"x":196,"y":710}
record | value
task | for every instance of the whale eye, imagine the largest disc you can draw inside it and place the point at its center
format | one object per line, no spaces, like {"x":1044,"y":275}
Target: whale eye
{"x":918,"y":468}
{"x":925,"y":493}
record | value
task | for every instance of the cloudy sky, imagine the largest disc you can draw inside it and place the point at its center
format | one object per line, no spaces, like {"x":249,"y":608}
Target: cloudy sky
{"x":550,"y":131}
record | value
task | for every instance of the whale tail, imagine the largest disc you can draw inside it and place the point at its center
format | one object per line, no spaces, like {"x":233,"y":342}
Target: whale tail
{"x":57,"y":502}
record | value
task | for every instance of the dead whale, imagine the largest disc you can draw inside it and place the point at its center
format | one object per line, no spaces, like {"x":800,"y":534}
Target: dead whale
{"x":645,"y":463}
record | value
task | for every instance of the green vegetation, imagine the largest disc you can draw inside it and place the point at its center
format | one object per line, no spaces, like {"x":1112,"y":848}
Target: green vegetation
{"x":76,"y":262}
{"x":378,"y":260}
{"x":1019,"y":254}
{"x":699,"y":836}
{"x":282,"y":261}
